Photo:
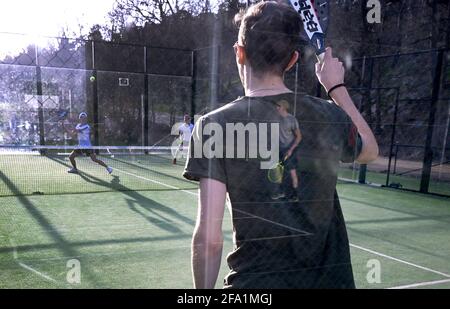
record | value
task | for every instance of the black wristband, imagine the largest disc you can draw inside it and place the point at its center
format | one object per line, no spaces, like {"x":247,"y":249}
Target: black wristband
{"x":334,"y":88}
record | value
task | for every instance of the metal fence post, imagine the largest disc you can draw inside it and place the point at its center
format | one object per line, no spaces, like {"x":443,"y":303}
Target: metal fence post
{"x":40,"y":105}
{"x":94,"y":82}
{"x":428,"y":155}
{"x":394,"y":127}
{"x":193,"y":82}
{"x":146,"y":100}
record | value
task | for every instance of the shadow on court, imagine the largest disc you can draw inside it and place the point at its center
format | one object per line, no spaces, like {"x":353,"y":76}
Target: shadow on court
{"x":163,"y":222}
{"x":136,"y":198}
{"x":61,"y":243}
{"x":151,"y":170}
{"x":93,"y":243}
{"x":439,"y":218}
{"x":398,"y":244}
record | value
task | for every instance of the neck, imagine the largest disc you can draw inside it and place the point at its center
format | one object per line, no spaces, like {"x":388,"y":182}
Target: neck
{"x":264,"y":86}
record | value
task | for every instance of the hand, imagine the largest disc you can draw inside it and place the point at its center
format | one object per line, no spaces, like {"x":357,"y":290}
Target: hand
{"x":288,"y":154}
{"x":331,"y":71}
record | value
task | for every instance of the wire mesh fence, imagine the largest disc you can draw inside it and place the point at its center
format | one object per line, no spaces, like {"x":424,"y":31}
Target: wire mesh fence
{"x":409,"y":114}
{"x":135,"y":94}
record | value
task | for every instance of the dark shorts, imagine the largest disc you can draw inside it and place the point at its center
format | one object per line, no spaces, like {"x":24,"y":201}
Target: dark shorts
{"x":291,"y":162}
{"x":80,"y":152}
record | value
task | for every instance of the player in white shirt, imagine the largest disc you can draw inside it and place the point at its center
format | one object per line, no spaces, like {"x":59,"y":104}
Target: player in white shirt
{"x":185,"y":132}
{"x":83,"y":131}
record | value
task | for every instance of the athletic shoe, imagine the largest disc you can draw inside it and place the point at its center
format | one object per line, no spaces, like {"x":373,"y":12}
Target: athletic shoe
{"x":73,"y":171}
{"x":293,"y":198}
{"x":109,"y":169}
{"x":277,"y":196}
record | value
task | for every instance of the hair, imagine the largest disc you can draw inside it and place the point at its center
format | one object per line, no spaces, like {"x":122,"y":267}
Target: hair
{"x":284,"y":103}
{"x":270,"y":34}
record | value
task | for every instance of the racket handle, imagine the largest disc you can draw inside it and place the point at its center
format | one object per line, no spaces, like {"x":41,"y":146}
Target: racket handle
{"x":320,"y":57}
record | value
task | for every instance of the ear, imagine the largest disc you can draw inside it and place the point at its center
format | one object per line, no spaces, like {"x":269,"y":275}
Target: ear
{"x":241,"y":55}
{"x":293,"y":61}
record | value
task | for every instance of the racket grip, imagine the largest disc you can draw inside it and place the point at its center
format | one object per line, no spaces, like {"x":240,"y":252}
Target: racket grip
{"x":320,"y":57}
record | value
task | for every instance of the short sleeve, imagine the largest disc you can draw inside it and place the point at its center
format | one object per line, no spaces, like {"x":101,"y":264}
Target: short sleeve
{"x":198,"y":165}
{"x":352,"y":143}
{"x":296,"y":126}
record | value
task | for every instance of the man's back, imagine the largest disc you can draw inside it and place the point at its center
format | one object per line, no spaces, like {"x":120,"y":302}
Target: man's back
{"x":281,"y":243}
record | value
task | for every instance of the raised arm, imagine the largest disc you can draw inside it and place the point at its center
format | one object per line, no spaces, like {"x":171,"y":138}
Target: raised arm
{"x":331,"y":73}
{"x":207,"y":241}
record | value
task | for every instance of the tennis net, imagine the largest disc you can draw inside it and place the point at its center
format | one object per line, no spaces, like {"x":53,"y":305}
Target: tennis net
{"x":38,"y":170}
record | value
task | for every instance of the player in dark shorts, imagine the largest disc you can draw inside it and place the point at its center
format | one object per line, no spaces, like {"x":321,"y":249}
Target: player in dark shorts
{"x":81,"y":152}
{"x":277,"y":244}
{"x":290,"y":138}
{"x":83,"y":131}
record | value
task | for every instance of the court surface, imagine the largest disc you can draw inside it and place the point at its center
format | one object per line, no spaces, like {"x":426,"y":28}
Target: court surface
{"x":132,"y":229}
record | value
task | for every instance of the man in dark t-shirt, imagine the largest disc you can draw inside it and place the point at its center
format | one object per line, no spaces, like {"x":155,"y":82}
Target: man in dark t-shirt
{"x":277,"y":244}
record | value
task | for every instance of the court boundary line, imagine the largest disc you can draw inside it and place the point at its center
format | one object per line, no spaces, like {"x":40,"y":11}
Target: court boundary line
{"x":400,"y":261}
{"x":351,"y":245}
{"x":419,"y":284}
{"x":196,"y":194}
{"x":27,"y":267}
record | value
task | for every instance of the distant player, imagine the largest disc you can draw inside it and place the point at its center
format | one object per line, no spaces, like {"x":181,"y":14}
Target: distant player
{"x":83,"y":131}
{"x":185,"y":132}
{"x":290,"y":138}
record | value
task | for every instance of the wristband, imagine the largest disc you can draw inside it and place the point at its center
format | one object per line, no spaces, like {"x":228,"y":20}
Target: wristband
{"x":334,"y":88}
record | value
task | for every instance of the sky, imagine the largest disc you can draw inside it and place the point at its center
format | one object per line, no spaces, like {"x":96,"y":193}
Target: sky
{"x":36,"y":18}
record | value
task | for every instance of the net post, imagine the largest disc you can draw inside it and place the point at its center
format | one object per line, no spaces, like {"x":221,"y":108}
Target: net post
{"x":428,"y":155}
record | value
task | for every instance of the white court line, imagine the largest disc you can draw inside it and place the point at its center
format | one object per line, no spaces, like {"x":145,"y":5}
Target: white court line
{"x":157,"y":182}
{"x":25,"y":266}
{"x":37,"y":272}
{"x":400,"y":261}
{"x":352,"y":245}
{"x":196,"y":194}
{"x":415,"y":285}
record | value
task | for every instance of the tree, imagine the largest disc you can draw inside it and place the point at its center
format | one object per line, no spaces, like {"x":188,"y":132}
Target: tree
{"x":142,"y":12}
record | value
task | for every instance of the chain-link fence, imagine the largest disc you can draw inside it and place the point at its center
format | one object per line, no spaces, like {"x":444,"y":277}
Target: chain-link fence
{"x":133,"y":94}
{"x":405,"y":98}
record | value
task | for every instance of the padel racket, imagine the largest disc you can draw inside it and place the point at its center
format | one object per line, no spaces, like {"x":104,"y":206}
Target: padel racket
{"x":314,"y":15}
{"x":275,"y":174}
